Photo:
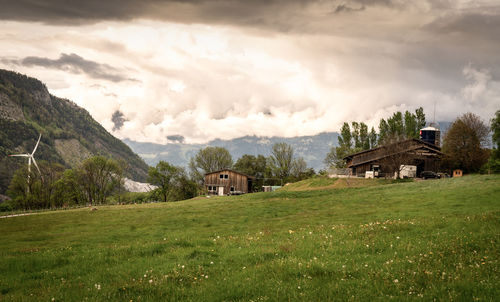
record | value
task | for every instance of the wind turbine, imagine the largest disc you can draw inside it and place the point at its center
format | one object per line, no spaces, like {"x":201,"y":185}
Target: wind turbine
{"x":30,"y":158}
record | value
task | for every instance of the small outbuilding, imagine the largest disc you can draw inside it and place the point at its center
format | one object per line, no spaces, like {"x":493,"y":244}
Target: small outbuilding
{"x":228,"y":182}
{"x":457,"y":173}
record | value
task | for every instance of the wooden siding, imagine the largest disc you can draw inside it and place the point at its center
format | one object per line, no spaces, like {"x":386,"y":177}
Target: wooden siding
{"x":423,"y":155}
{"x":234,"y":179}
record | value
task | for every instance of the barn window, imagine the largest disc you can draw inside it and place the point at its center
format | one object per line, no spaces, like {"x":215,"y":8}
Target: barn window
{"x":221,"y":176}
{"x":226,"y":176}
{"x":232,"y":189}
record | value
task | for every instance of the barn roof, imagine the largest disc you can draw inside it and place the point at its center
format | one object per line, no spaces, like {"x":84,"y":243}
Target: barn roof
{"x":432,"y":146}
{"x":377,"y":156}
{"x":218,"y":171}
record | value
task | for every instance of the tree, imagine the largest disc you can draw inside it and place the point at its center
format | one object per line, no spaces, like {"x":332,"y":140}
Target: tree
{"x":208,"y":160}
{"x":383,"y":130}
{"x":463,"y":143}
{"x":396,"y":155}
{"x":373,"y":138}
{"x":493,"y":164}
{"x":364,"y":139}
{"x":355,"y":135}
{"x":335,"y":158}
{"x":281,"y":160}
{"x":37,"y":191}
{"x":396,"y":125}
{"x":68,"y":188}
{"x":255,"y":166}
{"x":420,"y":118}
{"x":299,"y":168}
{"x":97,"y":177}
{"x":173,"y":183}
{"x":51,"y":173}
{"x":495,"y":128}
{"x":165,"y":176}
{"x":345,"y":136}
{"x":410,"y":129}
{"x":20,"y":188}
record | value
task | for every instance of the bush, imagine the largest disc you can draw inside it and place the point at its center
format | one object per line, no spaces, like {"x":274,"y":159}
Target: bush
{"x":131,"y":197}
{"x":6,"y":207}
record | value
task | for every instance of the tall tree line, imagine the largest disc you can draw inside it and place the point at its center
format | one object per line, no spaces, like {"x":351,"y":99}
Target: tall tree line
{"x":355,"y":137}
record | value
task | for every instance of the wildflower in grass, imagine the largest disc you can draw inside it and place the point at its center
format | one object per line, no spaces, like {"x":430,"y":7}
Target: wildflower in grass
{"x":396,"y":281}
{"x":150,"y":281}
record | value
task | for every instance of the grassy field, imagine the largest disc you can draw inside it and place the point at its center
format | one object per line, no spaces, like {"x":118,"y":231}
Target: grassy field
{"x":437,"y":239}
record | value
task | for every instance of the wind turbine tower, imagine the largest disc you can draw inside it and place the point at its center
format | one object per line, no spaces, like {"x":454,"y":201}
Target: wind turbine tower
{"x":31,"y":158}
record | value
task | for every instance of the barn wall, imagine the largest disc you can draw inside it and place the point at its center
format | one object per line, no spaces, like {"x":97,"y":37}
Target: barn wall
{"x":236,"y":180}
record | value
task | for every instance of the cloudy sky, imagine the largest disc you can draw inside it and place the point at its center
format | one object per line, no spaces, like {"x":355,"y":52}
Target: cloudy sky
{"x":196,"y":70}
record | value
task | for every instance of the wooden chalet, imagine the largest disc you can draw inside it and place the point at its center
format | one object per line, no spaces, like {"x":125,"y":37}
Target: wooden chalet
{"x":228,"y":182}
{"x":386,"y":160}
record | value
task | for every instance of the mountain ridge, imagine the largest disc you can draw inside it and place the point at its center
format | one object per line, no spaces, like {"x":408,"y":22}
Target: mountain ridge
{"x":69,"y":133}
{"x":313,"y":148}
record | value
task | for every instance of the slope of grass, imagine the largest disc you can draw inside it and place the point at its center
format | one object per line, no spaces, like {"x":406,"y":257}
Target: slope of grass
{"x":426,"y":240}
{"x":324,"y":183}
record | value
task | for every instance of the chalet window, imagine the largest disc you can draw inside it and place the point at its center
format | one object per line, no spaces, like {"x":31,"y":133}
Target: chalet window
{"x":210,"y":188}
{"x":232,"y":189}
{"x":226,"y":176}
{"x":221,"y":176}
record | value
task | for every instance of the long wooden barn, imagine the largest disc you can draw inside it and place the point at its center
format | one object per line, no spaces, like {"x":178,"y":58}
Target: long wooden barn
{"x":387,"y":159}
{"x":228,"y":182}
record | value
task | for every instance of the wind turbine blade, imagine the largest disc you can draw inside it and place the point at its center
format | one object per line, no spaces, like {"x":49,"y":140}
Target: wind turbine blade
{"x":34,"y":161}
{"x":23,"y":155}
{"x":29,"y":164}
{"x":36,"y":146}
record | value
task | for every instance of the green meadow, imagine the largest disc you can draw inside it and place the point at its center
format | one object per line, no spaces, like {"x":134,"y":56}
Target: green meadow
{"x":317,"y":241}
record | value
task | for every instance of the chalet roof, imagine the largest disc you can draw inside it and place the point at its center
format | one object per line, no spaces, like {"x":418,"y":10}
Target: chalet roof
{"x":237,"y":172}
{"x":377,"y":156}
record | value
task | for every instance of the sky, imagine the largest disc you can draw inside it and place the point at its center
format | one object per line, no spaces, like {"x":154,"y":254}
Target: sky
{"x":196,"y":70}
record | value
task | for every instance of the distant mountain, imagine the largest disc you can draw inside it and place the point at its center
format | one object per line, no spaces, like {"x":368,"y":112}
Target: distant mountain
{"x":69,"y":133}
{"x":312,"y":148}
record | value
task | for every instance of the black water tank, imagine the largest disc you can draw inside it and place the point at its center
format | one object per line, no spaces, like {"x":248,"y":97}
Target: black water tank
{"x":430,"y":135}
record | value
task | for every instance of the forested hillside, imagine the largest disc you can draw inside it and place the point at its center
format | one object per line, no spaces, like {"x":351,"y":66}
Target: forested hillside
{"x":69,"y":133}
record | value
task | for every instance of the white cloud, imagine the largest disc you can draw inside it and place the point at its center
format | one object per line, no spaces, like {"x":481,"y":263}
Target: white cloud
{"x":221,"y":81}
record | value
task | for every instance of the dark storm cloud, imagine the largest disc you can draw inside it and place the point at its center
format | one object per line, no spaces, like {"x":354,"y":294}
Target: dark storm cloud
{"x":118,"y":119}
{"x":176,"y":138}
{"x":75,"y":64}
{"x":343,"y":8}
{"x":281,"y":15}
{"x":485,"y":24}
{"x":89,"y":11}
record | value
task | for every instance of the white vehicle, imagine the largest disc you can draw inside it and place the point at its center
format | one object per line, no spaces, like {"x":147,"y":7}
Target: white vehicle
{"x":407,"y":171}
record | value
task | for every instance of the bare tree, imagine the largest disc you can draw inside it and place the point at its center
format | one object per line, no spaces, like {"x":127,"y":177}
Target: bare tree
{"x":398,"y":153}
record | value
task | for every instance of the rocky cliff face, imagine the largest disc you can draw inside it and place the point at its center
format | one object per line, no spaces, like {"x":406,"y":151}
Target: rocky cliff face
{"x":10,"y":110}
{"x":69,"y":133}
